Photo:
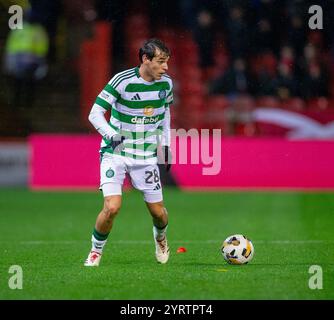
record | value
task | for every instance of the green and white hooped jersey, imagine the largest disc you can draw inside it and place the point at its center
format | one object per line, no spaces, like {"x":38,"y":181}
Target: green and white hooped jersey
{"x":137,"y":111}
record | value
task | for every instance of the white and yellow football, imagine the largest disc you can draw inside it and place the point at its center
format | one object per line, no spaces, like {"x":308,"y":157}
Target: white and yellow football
{"x":237,"y":249}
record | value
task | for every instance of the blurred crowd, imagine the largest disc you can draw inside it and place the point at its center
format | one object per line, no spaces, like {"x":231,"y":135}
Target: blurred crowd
{"x":271,"y":49}
{"x":224,"y":48}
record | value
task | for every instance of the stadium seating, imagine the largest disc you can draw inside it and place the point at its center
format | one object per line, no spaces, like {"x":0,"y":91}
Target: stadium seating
{"x":193,"y":107}
{"x":293,"y":104}
{"x":321,"y":103}
{"x":267,"y":102}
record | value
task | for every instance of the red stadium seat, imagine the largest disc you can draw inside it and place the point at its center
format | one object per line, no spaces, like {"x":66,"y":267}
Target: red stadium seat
{"x":167,"y":35}
{"x":245,"y":129}
{"x":267,"y":102}
{"x":321,"y":103}
{"x":218,"y":123}
{"x":316,"y":38}
{"x":190,"y":103}
{"x":243,"y":103}
{"x":192,"y":72}
{"x":214,"y":117}
{"x":173,"y":72}
{"x":293,"y":104}
{"x":192,"y":88}
{"x":217,"y":102}
{"x":137,"y":27}
{"x":139,"y":33}
{"x":270,"y":130}
{"x":137,"y":21}
{"x":266,"y":61}
{"x":190,"y":119}
{"x":221,"y":59}
{"x":132,"y":52}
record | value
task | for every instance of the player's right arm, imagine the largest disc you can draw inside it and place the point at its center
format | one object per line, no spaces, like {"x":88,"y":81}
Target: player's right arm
{"x":104,"y":101}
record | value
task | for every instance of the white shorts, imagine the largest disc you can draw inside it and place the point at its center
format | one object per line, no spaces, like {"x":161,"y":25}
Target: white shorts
{"x":144,"y":175}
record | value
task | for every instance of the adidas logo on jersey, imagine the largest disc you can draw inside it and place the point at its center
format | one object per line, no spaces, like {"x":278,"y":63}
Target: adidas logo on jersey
{"x":157,"y":187}
{"x":136,"y":97}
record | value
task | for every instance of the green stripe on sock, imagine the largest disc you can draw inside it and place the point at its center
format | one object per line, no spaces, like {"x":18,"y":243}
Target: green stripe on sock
{"x":161,"y":228}
{"x":100,"y":236}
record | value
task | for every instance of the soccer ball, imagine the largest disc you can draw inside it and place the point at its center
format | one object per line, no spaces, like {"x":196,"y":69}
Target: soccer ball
{"x":237,"y":249}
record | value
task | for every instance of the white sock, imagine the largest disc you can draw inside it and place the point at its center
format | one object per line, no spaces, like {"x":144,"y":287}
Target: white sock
{"x":159,"y":234}
{"x":97,"y":245}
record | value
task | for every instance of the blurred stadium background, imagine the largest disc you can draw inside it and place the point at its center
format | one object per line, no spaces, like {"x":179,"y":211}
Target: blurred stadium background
{"x":253,"y":69}
{"x":250,"y":68}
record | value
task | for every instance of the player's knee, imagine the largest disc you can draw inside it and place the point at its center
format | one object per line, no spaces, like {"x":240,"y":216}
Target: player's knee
{"x":111,"y":208}
{"x":164,"y":213}
{"x":159,"y":211}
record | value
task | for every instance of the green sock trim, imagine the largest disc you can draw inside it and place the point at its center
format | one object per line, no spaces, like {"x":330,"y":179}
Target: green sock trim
{"x":161,"y":228}
{"x":100,"y":236}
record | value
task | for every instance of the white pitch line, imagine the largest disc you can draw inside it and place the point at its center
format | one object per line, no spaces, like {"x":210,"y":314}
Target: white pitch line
{"x":133,"y":242}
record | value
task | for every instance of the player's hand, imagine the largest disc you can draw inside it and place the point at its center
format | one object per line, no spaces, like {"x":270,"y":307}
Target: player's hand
{"x":167,"y":157}
{"x":116,"y":143}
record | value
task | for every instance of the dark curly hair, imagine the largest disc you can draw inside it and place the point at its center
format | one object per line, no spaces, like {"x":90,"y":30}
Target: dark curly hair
{"x":149,"y":48}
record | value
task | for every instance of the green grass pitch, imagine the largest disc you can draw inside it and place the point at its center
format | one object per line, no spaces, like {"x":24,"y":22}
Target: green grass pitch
{"x":48,"y":235}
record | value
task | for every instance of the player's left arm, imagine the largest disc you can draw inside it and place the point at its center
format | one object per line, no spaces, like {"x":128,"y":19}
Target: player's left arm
{"x":166,"y":132}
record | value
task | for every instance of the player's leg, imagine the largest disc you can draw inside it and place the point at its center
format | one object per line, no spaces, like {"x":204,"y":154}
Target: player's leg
{"x":146,"y":178}
{"x":104,"y":223}
{"x":160,"y":222}
{"x":112,"y":177}
{"x":160,"y":218}
{"x":105,"y":219}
